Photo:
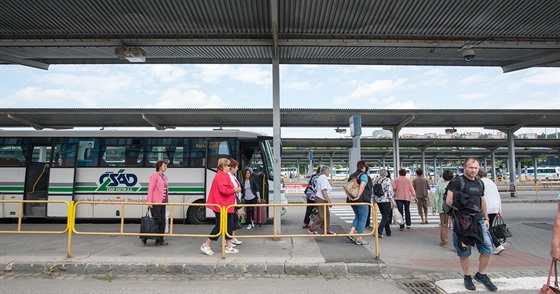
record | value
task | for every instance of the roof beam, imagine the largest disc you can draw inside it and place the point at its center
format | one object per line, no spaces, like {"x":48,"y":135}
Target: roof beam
{"x":154,"y":124}
{"x":26,"y":62}
{"x":518,"y":126}
{"x":554,"y":57}
{"x":25,"y":121}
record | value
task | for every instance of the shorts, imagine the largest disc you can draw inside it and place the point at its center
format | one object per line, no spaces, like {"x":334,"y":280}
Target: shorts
{"x":484,"y":247}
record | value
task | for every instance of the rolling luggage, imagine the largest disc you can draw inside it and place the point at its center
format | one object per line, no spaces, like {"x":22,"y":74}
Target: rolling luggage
{"x":261,"y":214}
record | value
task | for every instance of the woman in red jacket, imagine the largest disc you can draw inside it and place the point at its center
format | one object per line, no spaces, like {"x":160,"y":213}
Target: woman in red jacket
{"x":222,"y":192}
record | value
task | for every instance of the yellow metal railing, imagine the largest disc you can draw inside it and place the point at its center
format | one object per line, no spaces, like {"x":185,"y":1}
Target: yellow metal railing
{"x":73,"y":206}
{"x":324,"y":234}
{"x":20,"y":217}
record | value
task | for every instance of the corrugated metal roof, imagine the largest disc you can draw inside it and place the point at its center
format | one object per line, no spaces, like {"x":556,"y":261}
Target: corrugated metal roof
{"x":400,"y":32}
{"x":262,"y":117}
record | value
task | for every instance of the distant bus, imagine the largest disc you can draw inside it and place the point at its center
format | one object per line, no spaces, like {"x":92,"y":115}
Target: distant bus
{"x":542,"y":173}
{"x":106,"y":166}
{"x":340,"y":174}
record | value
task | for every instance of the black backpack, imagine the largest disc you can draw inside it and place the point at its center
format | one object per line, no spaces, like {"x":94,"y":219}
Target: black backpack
{"x":378,"y":188}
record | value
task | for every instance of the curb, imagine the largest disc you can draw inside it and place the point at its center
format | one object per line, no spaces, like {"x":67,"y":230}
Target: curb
{"x":194,"y":269}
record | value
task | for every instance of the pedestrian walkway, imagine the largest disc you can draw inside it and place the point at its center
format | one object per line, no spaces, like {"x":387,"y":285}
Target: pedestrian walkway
{"x":347,"y":215}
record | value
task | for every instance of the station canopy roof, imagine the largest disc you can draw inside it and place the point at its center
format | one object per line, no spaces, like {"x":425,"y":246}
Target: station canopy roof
{"x":64,"y":118}
{"x":512,"y":34}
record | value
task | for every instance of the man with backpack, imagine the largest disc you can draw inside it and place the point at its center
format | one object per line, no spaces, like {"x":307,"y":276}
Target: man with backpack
{"x":310,"y":196}
{"x":465,"y":196}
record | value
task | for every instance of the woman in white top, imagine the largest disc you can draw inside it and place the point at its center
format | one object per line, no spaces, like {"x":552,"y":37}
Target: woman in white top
{"x":493,"y":206}
{"x":234,"y":166}
{"x":323,"y":195}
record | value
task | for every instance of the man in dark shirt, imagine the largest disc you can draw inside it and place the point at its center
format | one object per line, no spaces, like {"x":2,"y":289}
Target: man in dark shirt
{"x":477,"y":207}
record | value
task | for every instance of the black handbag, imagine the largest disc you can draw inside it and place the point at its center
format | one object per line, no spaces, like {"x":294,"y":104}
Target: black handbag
{"x":148,"y":225}
{"x":500,"y":229}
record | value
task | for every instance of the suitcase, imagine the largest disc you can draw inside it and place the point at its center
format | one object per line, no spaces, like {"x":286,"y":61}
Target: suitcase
{"x":261,"y":215}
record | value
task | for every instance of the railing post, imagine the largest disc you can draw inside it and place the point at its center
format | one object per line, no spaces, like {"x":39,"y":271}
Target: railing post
{"x":70,"y":226}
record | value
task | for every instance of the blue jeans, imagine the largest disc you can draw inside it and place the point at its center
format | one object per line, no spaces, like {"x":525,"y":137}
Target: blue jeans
{"x":361,"y":213}
{"x":484,"y":247}
{"x":406,"y":215}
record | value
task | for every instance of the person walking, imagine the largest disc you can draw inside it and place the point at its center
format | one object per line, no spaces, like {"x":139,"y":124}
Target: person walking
{"x":323,"y":195}
{"x":221,"y":193}
{"x":385,"y":203}
{"x":233,"y":168}
{"x":465,"y":194}
{"x":310,"y":197}
{"x":364,"y":196}
{"x":437,"y":207}
{"x":158,"y":192}
{"x":493,"y":205}
{"x":404,"y":192}
{"x":252,"y":195}
{"x":422,"y":190}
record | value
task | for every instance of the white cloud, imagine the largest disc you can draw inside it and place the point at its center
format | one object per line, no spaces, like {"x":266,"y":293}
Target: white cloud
{"x":56,"y":98}
{"x":434,"y":72}
{"x":474,"y":96}
{"x":167,"y":73}
{"x":408,"y":104}
{"x":212,"y":73}
{"x":220,"y":73}
{"x":298,"y":85}
{"x":543,"y":76}
{"x":175,"y":98}
{"x":474,"y":79}
{"x":378,"y":87}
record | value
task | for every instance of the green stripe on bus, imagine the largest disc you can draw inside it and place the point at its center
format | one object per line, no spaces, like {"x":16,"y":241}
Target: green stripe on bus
{"x":11,"y":189}
{"x":85,"y":189}
{"x":61,"y":190}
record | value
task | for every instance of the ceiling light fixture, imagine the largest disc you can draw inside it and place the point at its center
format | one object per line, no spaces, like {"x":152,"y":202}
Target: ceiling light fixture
{"x":132,"y":54}
{"x":450,"y":131}
{"x":340,"y":131}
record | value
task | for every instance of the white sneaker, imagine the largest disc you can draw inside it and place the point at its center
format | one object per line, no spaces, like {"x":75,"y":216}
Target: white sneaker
{"x":235,"y":241}
{"x":248,"y":226}
{"x":499,"y":249}
{"x":206,"y":250}
{"x":231,"y":250}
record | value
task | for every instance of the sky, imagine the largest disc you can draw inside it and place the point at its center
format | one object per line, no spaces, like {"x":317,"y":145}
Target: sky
{"x":301,"y":86}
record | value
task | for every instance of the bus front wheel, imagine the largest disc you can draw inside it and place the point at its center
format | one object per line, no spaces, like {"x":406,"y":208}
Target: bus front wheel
{"x":196,"y":214}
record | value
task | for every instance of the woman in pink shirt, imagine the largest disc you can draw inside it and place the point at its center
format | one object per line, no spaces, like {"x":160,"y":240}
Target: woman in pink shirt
{"x":158,"y":192}
{"x":403,"y":195}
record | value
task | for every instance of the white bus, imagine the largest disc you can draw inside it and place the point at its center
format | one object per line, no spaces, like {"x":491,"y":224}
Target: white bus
{"x":102,"y":166}
{"x":542,"y":172}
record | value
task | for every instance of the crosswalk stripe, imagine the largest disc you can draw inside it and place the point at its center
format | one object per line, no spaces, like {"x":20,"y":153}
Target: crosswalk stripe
{"x":347,"y":215}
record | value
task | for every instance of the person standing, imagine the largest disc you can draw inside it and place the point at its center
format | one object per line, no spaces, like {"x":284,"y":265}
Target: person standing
{"x":404,"y":192}
{"x":555,"y":242}
{"x":385,"y":203}
{"x":364,"y":196}
{"x":493,"y":205}
{"x":310,"y":197}
{"x":222,"y":193}
{"x":252,"y":195}
{"x":234,"y":166}
{"x":437,"y":207}
{"x":158,"y":192}
{"x":323,"y":195}
{"x":466,"y":195}
{"x":422,"y":190}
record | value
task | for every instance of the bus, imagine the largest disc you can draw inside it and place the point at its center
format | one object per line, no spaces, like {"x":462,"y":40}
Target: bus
{"x":542,"y":173}
{"x":109,"y":165}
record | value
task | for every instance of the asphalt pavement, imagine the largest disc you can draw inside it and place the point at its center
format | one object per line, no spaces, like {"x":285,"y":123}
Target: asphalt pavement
{"x":411,"y":255}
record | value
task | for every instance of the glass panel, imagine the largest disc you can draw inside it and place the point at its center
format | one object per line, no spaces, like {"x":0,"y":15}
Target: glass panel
{"x":217,"y":148}
{"x":41,"y":154}
{"x":88,"y":151}
{"x":194,"y":153}
{"x":64,"y":155}
{"x":122,"y":152}
{"x":12,"y":152}
{"x":166,"y":150}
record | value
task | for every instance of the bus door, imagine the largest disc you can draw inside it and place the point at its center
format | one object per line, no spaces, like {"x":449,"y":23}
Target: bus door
{"x":37,"y":180}
{"x":61,"y":178}
{"x":216,"y":148}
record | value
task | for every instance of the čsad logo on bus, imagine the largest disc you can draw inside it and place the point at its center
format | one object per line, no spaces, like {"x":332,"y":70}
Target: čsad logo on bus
{"x":117,"y":182}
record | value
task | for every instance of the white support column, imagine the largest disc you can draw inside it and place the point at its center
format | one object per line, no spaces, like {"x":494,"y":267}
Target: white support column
{"x":511,"y":162}
{"x":277,"y":141}
{"x":493,"y":163}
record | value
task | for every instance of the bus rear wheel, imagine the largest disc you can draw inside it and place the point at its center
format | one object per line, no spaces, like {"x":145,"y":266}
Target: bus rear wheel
{"x":196,"y":214}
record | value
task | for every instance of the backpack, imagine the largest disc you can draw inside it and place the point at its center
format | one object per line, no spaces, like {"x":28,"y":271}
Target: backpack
{"x":378,"y":188}
{"x":311,"y":188}
{"x":446,"y":208}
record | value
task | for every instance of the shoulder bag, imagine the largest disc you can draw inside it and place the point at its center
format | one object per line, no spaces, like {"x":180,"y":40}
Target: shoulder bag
{"x":352,"y":188}
{"x":148,"y":225}
{"x":500,"y":229}
{"x":548,"y":288}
